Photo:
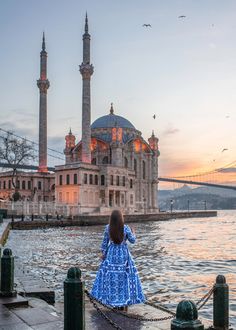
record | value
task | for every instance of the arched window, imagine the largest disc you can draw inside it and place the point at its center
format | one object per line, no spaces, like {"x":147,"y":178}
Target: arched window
{"x":60,"y":180}
{"x":94,"y":161}
{"x":96,"y":179}
{"x":105,"y":160}
{"x":9,"y":184}
{"x":111,"y":180}
{"x":131,"y":184}
{"x":102,"y":180}
{"x":144,"y":170}
{"x":39,"y":185}
{"x":126,"y":162}
{"x":123,"y":180}
{"x":90,"y":179}
{"x":117,"y":180}
{"x":135,"y":166}
{"x":29,"y":185}
{"x":68,"y":179}
{"x":85,"y":178}
{"x":75,"y":178}
{"x":131,"y":199}
{"x":23,"y":184}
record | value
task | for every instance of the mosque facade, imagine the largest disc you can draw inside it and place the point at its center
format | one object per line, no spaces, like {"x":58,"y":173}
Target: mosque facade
{"x":112,"y":166}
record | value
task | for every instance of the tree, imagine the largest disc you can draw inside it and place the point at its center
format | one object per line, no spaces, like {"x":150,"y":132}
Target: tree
{"x":15,"y":152}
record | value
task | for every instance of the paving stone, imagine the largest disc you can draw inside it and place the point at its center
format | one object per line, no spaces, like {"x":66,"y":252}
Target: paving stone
{"x":34,"y":316}
{"x":21,"y":326}
{"x":50,"y":326}
{"x":9,"y":318}
{"x":3,"y":309}
{"x":14,"y":301}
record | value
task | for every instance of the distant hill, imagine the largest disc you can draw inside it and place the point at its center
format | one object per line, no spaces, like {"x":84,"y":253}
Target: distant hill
{"x":197,"y":198}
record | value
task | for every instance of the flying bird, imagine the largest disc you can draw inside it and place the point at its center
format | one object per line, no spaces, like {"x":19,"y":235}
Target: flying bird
{"x":154,"y":116}
{"x":224,"y":150}
{"x":147,"y":25}
{"x":182,"y":16}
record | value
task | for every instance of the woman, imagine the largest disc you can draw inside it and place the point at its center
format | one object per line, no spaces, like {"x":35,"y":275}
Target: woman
{"x":117,"y":282}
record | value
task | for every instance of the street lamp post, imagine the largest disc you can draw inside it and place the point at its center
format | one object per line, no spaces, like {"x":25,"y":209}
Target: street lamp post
{"x":205,"y":205}
{"x":171,"y":205}
{"x":188,"y":205}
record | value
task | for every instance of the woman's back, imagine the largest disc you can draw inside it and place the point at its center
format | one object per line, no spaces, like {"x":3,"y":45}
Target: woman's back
{"x":117,"y":253}
{"x":117,"y":282}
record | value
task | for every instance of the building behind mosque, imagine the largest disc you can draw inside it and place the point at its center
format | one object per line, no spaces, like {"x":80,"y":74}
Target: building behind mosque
{"x":111,"y":167}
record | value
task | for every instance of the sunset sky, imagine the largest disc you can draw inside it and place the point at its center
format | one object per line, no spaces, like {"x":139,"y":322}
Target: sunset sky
{"x":181,"y":69}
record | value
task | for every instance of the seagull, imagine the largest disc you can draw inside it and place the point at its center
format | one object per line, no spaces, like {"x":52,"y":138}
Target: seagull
{"x":154,"y":116}
{"x":147,"y":25}
{"x":224,"y":150}
{"x":182,"y":16}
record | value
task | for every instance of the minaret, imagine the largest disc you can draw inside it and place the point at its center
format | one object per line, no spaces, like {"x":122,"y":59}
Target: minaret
{"x":43,"y":85}
{"x":86,"y":70}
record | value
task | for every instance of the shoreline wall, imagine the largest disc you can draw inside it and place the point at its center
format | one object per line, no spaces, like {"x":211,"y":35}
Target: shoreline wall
{"x":93,"y":220}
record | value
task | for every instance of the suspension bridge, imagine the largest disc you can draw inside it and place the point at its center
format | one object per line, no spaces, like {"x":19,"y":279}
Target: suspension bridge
{"x":211,"y":178}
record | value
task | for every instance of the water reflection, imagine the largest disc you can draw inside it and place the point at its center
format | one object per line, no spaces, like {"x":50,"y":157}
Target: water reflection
{"x":176,"y":260}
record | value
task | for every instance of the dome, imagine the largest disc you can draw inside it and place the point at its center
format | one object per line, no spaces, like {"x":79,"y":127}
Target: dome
{"x":111,"y":120}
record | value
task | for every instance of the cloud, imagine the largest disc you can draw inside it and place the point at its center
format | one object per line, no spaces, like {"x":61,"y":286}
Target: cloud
{"x":170,"y":131}
{"x":16,"y":128}
{"x":212,"y":45}
{"x":20,"y":122}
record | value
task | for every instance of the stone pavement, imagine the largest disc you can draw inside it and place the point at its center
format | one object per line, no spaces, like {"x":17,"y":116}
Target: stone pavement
{"x":16,"y":315}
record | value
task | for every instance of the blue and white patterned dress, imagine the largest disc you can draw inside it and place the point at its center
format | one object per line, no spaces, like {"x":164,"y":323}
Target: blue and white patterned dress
{"x":117,"y":282}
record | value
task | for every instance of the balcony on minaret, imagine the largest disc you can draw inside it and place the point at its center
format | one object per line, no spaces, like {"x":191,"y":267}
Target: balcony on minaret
{"x":43,"y":85}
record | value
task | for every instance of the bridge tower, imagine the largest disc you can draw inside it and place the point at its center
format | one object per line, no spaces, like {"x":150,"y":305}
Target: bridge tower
{"x":86,"y":70}
{"x":43,"y":85}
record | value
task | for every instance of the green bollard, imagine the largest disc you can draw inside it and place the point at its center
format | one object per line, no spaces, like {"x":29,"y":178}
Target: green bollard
{"x":74,"y":305}
{"x":7,"y":274}
{"x":221,"y":304}
{"x":186,"y":317}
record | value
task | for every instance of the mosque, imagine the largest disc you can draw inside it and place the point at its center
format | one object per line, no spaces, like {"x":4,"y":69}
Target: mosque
{"x":111,"y":167}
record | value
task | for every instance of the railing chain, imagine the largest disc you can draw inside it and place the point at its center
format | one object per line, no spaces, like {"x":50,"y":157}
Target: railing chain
{"x":205,"y":298}
{"x":134,"y":317}
{"x":112,"y":323}
{"x":94,"y":301}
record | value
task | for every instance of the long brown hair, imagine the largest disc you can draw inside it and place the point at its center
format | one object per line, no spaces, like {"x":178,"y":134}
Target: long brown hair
{"x":116,"y":227}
